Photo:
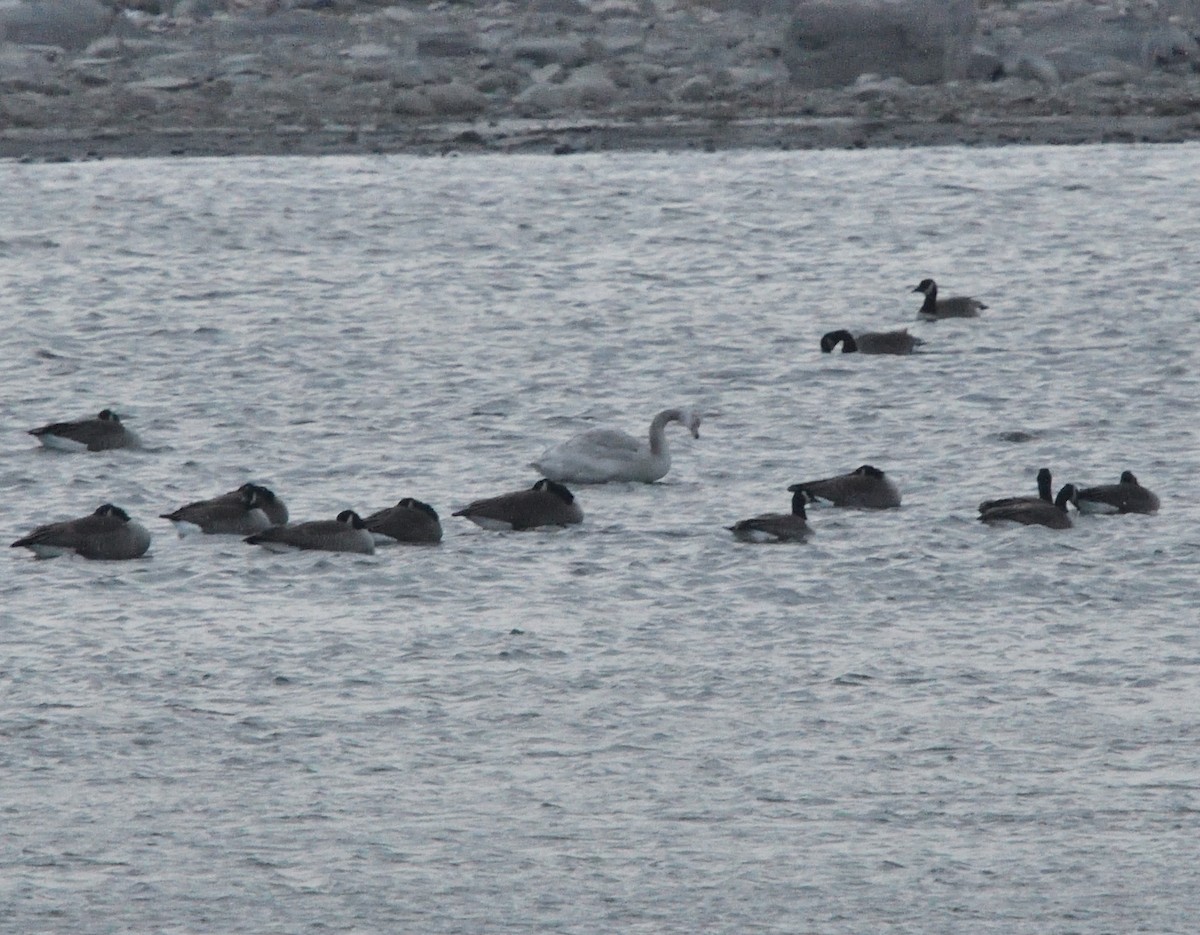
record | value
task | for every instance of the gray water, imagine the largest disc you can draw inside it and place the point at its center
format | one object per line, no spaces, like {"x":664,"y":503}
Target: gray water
{"x":913,"y":723}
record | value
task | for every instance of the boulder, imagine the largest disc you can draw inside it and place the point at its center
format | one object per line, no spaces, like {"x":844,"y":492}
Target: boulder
{"x":70,"y":24}
{"x":831,"y":42}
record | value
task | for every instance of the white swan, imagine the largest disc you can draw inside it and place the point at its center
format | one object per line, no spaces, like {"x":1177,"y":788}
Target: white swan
{"x":600,"y":456}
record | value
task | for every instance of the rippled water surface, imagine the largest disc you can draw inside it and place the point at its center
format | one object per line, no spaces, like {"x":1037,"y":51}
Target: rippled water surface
{"x":911,"y":723}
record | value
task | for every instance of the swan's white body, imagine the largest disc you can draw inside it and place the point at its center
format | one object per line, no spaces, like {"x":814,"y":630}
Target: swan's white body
{"x":602,"y":456}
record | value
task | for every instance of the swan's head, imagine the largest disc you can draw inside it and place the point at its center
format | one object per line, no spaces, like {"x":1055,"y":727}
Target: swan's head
{"x":691,"y":419}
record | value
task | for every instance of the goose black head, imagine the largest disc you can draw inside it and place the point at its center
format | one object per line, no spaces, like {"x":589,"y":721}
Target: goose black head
{"x":1067,"y":494}
{"x":555,"y":488}
{"x":1128,"y":478}
{"x":928,"y":286}
{"x":352,"y":519}
{"x":107,"y":415}
{"x":830,"y":341}
{"x":411,"y":503}
{"x":799,"y":496}
{"x":107,"y":509}
{"x":867,"y":471}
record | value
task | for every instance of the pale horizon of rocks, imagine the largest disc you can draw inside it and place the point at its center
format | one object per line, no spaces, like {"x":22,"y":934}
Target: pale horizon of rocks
{"x":155,"y":77}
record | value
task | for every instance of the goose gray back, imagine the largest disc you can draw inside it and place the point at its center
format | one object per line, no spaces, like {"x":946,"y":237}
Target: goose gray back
{"x":106,"y":534}
{"x":546,"y":503}
{"x":871,"y":342}
{"x":865,"y":487}
{"x":409,"y":520}
{"x":347,"y":533}
{"x":958,"y":306}
{"x":242,"y":515}
{"x":103,"y":432}
{"x":775,"y":527}
{"x":1045,"y":494}
{"x":1035,"y":512}
{"x":265,"y":499}
{"x":1127,"y":496}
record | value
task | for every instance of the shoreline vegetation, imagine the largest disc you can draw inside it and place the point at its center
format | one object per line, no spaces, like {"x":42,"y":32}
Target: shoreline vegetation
{"x":84,"y":79}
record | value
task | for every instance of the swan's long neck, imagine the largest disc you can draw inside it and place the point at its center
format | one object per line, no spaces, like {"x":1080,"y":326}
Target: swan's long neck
{"x":658,"y":435}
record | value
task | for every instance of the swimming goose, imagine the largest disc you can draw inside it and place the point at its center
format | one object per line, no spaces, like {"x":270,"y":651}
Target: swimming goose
{"x":775,"y":527}
{"x":268,"y":502}
{"x":108,"y":533}
{"x":1035,"y":512}
{"x":1044,"y":494}
{"x":871,"y":342}
{"x":546,"y":503}
{"x":600,"y":456}
{"x":408,"y":521}
{"x":239,"y":515}
{"x":1126,"y":497}
{"x":958,"y":306}
{"x":865,"y":487}
{"x":347,"y":533}
{"x":100,"y":433}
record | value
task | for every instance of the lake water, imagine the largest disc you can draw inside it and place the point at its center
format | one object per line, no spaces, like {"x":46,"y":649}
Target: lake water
{"x":912,"y":723}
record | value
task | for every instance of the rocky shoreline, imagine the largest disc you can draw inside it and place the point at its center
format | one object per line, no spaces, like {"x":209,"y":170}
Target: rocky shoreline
{"x":82,"y":79}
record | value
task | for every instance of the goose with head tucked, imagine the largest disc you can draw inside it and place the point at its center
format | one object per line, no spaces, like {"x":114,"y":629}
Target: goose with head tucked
{"x":871,"y":342}
{"x":265,"y":499}
{"x":1128,"y":496}
{"x":1035,"y":512}
{"x":775,"y":527}
{"x":410,"y":520}
{"x":601,"y":456}
{"x":958,"y":306}
{"x":546,"y":503}
{"x":866,"y":488}
{"x":106,"y":534}
{"x":347,"y":533}
{"x":240,"y":515}
{"x":101,"y":432}
{"x":1045,"y":494}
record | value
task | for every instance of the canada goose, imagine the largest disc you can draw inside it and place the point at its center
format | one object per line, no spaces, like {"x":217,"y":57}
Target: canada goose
{"x":1126,"y":497}
{"x":546,"y":503}
{"x":100,"y":433}
{"x":865,"y":487}
{"x":1035,"y":512}
{"x":239,"y":515}
{"x":775,"y":527}
{"x":601,"y":456}
{"x":108,"y":533}
{"x":267,"y":501}
{"x":871,"y":342}
{"x":1044,"y":494}
{"x":408,"y":521}
{"x":958,"y":306}
{"x":347,"y":533}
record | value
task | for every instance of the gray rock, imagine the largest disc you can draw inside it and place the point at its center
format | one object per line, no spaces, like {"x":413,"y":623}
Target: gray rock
{"x":448,"y":45}
{"x":695,"y":90}
{"x":455,"y":99}
{"x":570,"y":52}
{"x":829,"y":43}
{"x":71,"y":24}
